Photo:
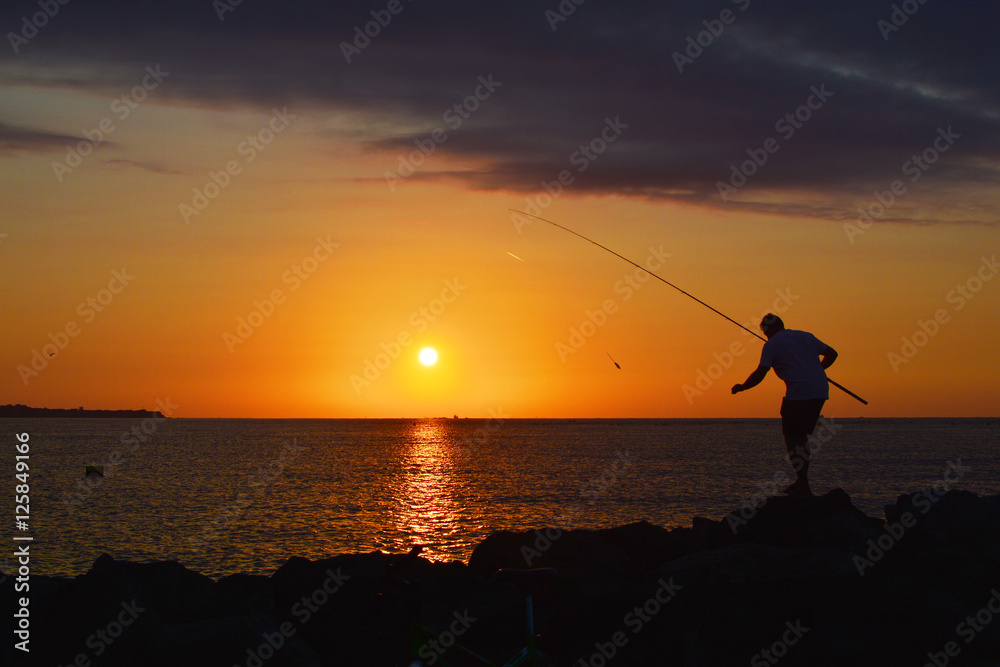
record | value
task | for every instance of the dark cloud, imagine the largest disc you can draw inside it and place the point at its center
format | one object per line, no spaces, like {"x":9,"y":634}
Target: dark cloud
{"x":892,"y":89}
{"x":153,"y":167}
{"x":19,"y":139}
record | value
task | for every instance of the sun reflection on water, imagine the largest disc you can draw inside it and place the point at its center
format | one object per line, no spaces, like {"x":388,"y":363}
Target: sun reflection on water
{"x":425,"y":509}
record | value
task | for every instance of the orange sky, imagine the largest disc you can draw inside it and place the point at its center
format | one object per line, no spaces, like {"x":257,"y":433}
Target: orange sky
{"x":358,"y":266}
{"x":500,"y":331}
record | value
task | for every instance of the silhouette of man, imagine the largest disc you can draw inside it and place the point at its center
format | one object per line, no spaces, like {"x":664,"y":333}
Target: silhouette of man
{"x":795,"y":358}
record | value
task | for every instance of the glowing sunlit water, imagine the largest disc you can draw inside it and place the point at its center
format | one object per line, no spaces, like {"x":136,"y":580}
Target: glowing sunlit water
{"x":225,"y":496}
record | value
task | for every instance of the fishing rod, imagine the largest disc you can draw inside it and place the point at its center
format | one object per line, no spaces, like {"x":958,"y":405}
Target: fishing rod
{"x":685,"y":293}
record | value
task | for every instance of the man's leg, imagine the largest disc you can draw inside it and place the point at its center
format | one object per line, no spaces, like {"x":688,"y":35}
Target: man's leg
{"x":798,"y":455}
{"x":798,"y":420}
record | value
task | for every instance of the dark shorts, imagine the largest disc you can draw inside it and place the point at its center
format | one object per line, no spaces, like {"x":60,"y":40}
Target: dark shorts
{"x":798,"y":418}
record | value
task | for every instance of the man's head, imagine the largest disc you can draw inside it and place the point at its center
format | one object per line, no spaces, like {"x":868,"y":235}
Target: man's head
{"x":771,"y":324}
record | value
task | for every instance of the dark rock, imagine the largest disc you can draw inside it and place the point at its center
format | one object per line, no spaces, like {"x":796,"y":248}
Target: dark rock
{"x":829,"y":521}
{"x":850,"y":590}
{"x":952,"y":516}
{"x":626,"y":551}
{"x":243,"y":594}
{"x":178,"y":594}
{"x":233,"y":640}
{"x":762,"y":564}
{"x":708,"y":534}
{"x":502,"y":549}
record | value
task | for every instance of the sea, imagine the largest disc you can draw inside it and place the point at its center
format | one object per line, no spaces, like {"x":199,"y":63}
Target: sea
{"x":224,"y":496}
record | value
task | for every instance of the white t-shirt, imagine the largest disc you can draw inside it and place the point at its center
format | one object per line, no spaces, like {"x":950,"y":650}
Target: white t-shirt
{"x":794,"y":356}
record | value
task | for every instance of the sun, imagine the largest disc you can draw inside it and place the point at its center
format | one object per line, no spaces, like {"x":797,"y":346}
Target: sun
{"x":428,"y":356}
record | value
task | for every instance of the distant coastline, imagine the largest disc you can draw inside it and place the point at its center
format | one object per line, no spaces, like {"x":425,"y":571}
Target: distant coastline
{"x":23,"y":411}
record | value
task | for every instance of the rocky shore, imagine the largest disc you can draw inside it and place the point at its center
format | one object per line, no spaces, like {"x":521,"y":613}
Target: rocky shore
{"x":806,"y":581}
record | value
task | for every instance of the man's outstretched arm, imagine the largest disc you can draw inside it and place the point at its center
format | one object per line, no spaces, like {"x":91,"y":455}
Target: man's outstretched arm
{"x":828,"y":357}
{"x":754,"y":379}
